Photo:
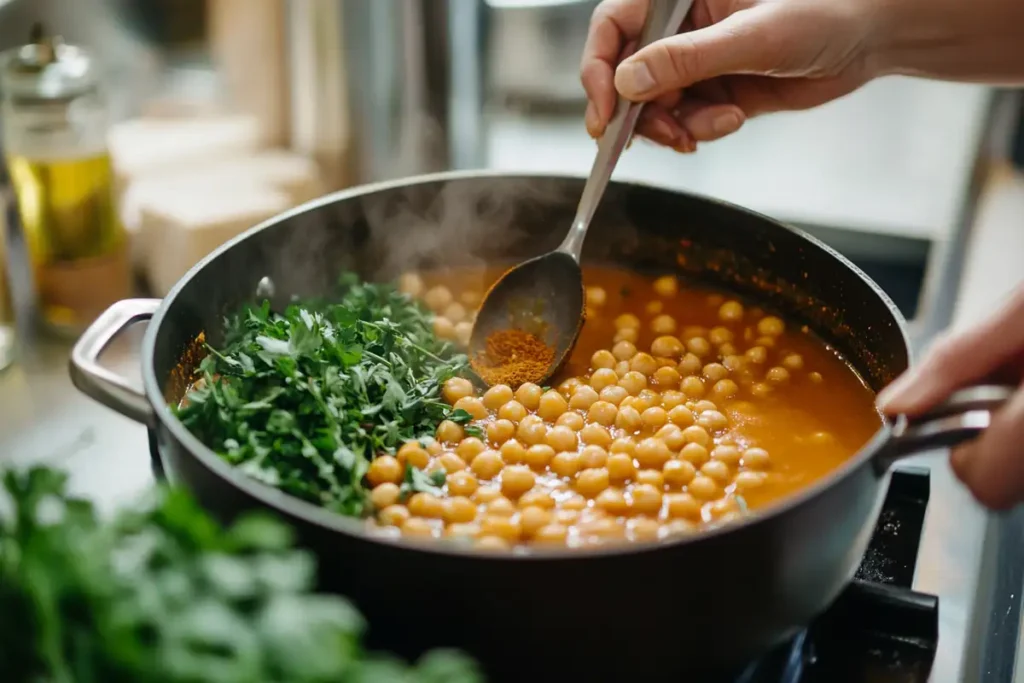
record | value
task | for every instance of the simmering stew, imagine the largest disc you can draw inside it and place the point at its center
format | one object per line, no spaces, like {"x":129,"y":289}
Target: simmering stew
{"x":681,"y":407}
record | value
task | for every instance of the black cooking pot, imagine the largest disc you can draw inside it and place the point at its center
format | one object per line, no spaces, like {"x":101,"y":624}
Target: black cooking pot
{"x":662,"y":611}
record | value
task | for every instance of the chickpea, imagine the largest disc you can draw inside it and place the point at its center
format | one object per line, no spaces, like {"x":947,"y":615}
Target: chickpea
{"x":643,"y":529}
{"x":654,"y":418}
{"x":412,"y":453}
{"x":777,"y":375}
{"x":704,"y":488}
{"x":646,"y":499}
{"x":426,"y":505}
{"x":602,"y":413}
{"x":713,"y":372}
{"x":717,"y":470}
{"x":417,"y":527}
{"x":682,"y":506}
{"x":816,"y":377}
{"x":487,"y":465}
{"x":532,"y":519}
{"x":584,"y":397}
{"x":678,"y":473}
{"x":602,"y":360}
{"x":462,"y":484}
{"x":561,"y":439}
{"x":699,"y":346}
{"x":385,"y":469}
{"x":667,"y":346}
{"x":725,"y":388}
{"x":536,"y":498}
{"x":459,"y":510}
{"x":652,"y":453}
{"x":695,"y":454}
{"x":605,"y":377}
{"x":513,"y":411}
{"x":793,"y":362}
{"x":566,"y":464}
{"x":500,"y":431}
{"x":696,"y":434}
{"x":757,"y":354}
{"x":689,"y":365}
{"x":727,"y":349}
{"x":724,"y":508}
{"x":497,"y":396}
{"x":623,"y":445}
{"x":628,"y":334}
{"x":720,"y":335}
{"x":411,"y":284}
{"x":692,"y":387}
{"x":624,"y":350}
{"x":529,"y":395}
{"x":384,"y":495}
{"x":505,"y":528}
{"x":538,"y":456}
{"x":627,"y":320}
{"x":552,"y":406}
{"x":761,"y":390}
{"x":569,"y":386}
{"x":602,"y":530}
{"x":487,"y":494}
{"x":444,"y":328}
{"x":651,"y":478}
{"x":731,"y":312}
{"x":628,"y":419}
{"x":703,"y":405}
{"x":491,"y":543}
{"x":573,"y":421}
{"x":667,"y":377}
{"x":455,"y":312}
{"x":713,"y":420}
{"x":575,"y":502}
{"x":663,"y":325}
{"x":517,"y":480}
{"x":673,"y":437}
{"x":672,"y":398}
{"x":456,"y":388}
{"x":532,"y":431}
{"x":591,"y":482}
{"x":726,"y":453}
{"x":437,"y":298}
{"x":620,"y":467}
{"x":654,"y":308}
{"x":770,"y":326}
{"x":681,"y":416}
{"x":552,"y":534}
{"x":621,"y":368}
{"x":469,"y":448}
{"x":450,"y":432}
{"x":462,"y":531}
{"x":748,"y":480}
{"x":432,"y":446}
{"x":666,"y":286}
{"x":513,"y":452}
{"x":613,"y":502}
{"x":756,"y":458}
{"x":463,"y":333}
{"x":613,"y":395}
{"x":596,"y":297}
{"x":473,"y":406}
{"x":452,"y":463}
{"x":633,"y":382}
{"x":501,"y":506}
{"x":643,"y":363}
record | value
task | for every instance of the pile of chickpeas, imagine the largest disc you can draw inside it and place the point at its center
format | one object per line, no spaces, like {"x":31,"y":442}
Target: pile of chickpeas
{"x":638,"y":449}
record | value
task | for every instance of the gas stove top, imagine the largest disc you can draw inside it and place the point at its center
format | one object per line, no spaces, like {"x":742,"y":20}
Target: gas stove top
{"x":879,"y":630}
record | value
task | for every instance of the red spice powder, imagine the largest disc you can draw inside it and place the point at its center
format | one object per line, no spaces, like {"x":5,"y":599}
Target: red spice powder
{"x":513,"y":357}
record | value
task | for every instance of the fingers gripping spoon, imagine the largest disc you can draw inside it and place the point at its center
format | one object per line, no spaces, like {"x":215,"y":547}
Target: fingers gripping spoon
{"x":544,"y":296}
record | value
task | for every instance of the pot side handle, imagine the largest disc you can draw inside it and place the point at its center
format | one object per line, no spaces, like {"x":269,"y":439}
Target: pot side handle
{"x":960,"y":418}
{"x":100,"y":383}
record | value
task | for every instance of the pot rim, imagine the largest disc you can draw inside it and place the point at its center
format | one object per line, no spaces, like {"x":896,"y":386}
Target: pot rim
{"x":292,"y":507}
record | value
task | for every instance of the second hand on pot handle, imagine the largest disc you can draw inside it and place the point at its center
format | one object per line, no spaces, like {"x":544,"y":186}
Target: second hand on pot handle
{"x":664,"y":17}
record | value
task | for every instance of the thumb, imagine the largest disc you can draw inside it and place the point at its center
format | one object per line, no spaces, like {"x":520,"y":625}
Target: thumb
{"x":729,"y":47}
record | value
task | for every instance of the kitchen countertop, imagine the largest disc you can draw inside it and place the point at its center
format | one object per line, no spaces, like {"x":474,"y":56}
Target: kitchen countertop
{"x":44,"y":419}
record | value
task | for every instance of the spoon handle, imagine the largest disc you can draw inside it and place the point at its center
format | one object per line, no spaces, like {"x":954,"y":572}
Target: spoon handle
{"x":664,"y":17}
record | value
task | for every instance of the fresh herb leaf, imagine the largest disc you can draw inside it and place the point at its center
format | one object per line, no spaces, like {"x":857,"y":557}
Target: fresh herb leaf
{"x":474,"y":430}
{"x":304,"y":399}
{"x":418,"y":481}
{"x":460,"y":416}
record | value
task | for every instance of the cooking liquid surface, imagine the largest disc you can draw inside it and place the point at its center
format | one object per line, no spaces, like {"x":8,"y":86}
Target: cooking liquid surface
{"x":809,"y":424}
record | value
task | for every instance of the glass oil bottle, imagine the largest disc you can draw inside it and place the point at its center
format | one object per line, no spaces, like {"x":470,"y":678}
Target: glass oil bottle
{"x":55,"y":125}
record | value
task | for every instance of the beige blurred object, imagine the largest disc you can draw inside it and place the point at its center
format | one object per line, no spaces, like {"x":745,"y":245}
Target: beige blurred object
{"x":247,"y":42}
{"x":280,"y":170}
{"x":185,"y":225}
{"x":141,"y":147}
{"x":318,"y":86}
{"x":7,"y":327}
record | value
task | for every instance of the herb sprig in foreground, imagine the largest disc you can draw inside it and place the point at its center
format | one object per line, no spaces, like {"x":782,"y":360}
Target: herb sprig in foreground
{"x":305,"y":399}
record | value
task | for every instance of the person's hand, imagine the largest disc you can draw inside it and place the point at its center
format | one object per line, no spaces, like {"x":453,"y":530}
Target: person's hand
{"x":992,"y":466}
{"x":733,"y":60}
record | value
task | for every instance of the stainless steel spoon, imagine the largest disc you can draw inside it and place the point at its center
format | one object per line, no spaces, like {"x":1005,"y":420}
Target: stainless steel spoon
{"x":544,"y":296}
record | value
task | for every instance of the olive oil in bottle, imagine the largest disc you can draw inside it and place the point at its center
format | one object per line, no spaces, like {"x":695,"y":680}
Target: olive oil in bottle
{"x":54,"y":139}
